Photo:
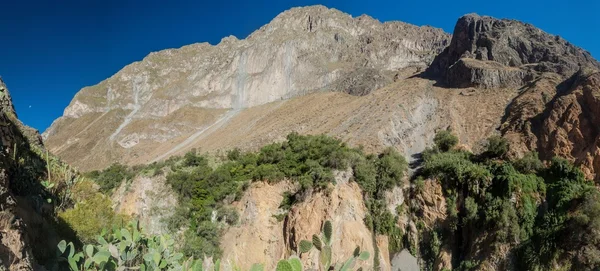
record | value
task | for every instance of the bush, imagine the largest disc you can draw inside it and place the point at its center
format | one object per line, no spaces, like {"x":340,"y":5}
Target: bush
{"x":529,"y":164}
{"x":496,"y":147}
{"x":445,"y":140}
{"x":111,"y":177}
{"x":89,"y":217}
{"x":391,"y":168}
{"x":471,"y":209}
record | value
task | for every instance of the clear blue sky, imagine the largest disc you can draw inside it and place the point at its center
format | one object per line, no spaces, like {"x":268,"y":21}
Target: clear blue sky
{"x":48,"y":51}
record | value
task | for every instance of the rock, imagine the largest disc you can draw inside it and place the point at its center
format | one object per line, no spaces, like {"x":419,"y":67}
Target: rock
{"x":345,"y":208}
{"x":261,"y":238}
{"x":148,"y":199}
{"x":177,"y":92}
{"x":488,"y":74}
{"x":491,"y":53}
{"x":404,"y":261}
{"x":26,"y":237}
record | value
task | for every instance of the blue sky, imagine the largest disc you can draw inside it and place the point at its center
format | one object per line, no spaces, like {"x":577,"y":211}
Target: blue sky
{"x":48,"y":51}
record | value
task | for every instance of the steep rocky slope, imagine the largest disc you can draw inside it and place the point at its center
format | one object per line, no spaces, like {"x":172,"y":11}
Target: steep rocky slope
{"x":489,"y":53}
{"x":179,"y":95}
{"x":554,"y":111}
{"x":15,"y":251}
{"x":27,"y":232}
{"x":496,"y":76}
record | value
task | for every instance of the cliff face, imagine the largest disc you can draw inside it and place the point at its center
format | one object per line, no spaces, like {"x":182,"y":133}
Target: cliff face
{"x":554,"y":111}
{"x":260,"y":237}
{"x":559,"y":118}
{"x":180,"y":94}
{"x":26,"y":235}
{"x":489,"y":53}
{"x":15,"y":252}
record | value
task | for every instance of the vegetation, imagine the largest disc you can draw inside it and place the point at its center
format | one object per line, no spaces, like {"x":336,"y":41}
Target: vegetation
{"x":306,"y":160}
{"x":323,"y":245}
{"x":111,"y":177}
{"x":91,"y":214}
{"x":544,"y":214}
{"x":445,"y":140}
{"x":129,"y":248}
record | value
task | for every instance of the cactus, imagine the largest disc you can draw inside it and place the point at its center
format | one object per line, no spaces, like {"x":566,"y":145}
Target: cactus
{"x":327,"y":232}
{"x":257,"y":267}
{"x":129,"y":248}
{"x":121,"y":250}
{"x":323,"y":245}
{"x":305,"y":246}
{"x":284,"y":265}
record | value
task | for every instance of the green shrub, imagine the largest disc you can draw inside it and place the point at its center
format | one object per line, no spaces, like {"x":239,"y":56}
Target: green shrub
{"x":496,"y":147}
{"x":419,"y":185}
{"x":445,"y":140}
{"x":471,"y":209}
{"x":90,"y":216}
{"x":111,"y":177}
{"x":529,"y":164}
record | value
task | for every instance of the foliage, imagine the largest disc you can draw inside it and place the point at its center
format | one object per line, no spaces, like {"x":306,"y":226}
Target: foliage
{"x":129,"y":248}
{"x":496,"y":147}
{"x":323,"y":243}
{"x":445,"y":140}
{"x":548,"y":215}
{"x":92,"y":213}
{"x":529,"y":164}
{"x":126,"y":249}
{"x":111,"y":177}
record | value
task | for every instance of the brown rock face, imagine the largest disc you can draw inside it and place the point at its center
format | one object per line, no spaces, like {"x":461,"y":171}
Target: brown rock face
{"x":261,"y":238}
{"x":571,"y":124}
{"x":15,"y":246}
{"x":567,"y":125}
{"x":489,"y":53}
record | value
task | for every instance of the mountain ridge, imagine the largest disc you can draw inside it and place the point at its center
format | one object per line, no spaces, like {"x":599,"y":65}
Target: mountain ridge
{"x":305,"y":53}
{"x":237,"y":93}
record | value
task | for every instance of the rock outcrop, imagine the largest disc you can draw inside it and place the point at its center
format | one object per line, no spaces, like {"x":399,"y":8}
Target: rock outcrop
{"x":490,"y":53}
{"x":261,"y":238}
{"x":148,"y":199}
{"x":18,"y":221}
{"x":554,"y":111}
{"x":559,"y":118}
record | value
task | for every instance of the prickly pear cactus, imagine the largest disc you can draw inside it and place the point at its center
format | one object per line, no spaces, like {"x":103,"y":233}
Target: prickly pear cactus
{"x":323,"y":244}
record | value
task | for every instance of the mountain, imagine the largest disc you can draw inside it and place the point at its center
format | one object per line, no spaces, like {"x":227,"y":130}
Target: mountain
{"x":174,"y":99}
{"x":315,"y":70}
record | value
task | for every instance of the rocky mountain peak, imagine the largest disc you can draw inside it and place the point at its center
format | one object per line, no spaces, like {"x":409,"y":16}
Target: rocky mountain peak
{"x":491,"y":52}
{"x":171,"y":93}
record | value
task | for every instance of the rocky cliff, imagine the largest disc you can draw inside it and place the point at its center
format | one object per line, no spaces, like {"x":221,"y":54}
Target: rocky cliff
{"x":490,"y":53}
{"x":26,"y":235}
{"x":181,"y":95}
{"x":15,"y":252}
{"x":556,"y":81}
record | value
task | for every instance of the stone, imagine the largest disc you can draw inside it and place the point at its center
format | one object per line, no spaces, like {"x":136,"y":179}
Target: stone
{"x":488,"y":52}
